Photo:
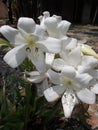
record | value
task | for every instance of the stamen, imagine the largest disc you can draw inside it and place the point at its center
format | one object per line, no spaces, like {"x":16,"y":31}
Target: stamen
{"x":28,"y":49}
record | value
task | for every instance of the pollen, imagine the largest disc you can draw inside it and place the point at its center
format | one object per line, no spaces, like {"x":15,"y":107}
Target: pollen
{"x":31,"y":42}
{"x":69,"y":82}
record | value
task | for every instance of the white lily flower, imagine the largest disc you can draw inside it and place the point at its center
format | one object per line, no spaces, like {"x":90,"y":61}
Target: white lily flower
{"x":57,"y":28}
{"x":82,"y":63}
{"x":72,"y":58}
{"x":54,"y":25}
{"x":27,"y":41}
{"x":71,"y":86}
{"x":43,"y":66}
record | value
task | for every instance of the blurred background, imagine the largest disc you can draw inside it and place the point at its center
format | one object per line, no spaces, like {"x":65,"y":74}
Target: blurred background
{"x":75,"y":11}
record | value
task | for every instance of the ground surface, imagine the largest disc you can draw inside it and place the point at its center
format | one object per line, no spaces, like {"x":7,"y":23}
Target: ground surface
{"x":82,"y":32}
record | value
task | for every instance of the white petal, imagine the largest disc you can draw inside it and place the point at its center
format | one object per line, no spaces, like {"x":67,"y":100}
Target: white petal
{"x":64,"y":56}
{"x":94,"y":73}
{"x":19,"y":40}
{"x":37,"y":58}
{"x":71,"y":43}
{"x":86,"y":96}
{"x":53,"y":76}
{"x":58,"y":64}
{"x":83,"y":79}
{"x":51,"y":95}
{"x":42,"y":86}
{"x":45,"y":84}
{"x":51,"y":25}
{"x":59,"y":18}
{"x":60,"y":89}
{"x":15,"y":56}
{"x":9,"y":33}
{"x":40,"y":32}
{"x":82,"y":41}
{"x":27,"y":24}
{"x":50,"y":45}
{"x":46,"y":14}
{"x":64,"y":26}
{"x":89,"y":61}
{"x":75,"y":56}
{"x":69,"y":100}
{"x":68,"y":71}
{"x":49,"y":58}
{"x":36,"y":77}
{"x":83,"y":69}
{"x":94,"y":89}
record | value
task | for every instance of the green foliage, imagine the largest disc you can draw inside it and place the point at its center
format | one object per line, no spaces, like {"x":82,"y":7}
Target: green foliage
{"x":4,"y":42}
{"x":27,"y":65}
{"x":25,"y":112}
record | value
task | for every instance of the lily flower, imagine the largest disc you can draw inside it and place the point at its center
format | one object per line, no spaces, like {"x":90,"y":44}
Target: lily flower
{"x":29,"y":40}
{"x":82,"y":63}
{"x":57,"y":28}
{"x":41,"y":77}
{"x":71,"y":87}
{"x":54,"y":25}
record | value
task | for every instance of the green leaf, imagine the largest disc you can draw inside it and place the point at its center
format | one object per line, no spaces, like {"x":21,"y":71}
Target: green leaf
{"x":40,"y":103}
{"x":4,"y":42}
{"x":4,"y":106}
{"x":2,"y":126}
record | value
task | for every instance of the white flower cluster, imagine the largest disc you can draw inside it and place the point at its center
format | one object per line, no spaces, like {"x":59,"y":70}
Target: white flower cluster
{"x":65,"y":67}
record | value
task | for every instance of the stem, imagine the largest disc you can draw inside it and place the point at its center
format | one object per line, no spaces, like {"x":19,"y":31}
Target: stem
{"x":26,"y":109}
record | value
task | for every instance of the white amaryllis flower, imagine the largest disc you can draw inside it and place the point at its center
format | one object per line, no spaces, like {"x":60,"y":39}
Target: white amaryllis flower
{"x":54,"y":25}
{"x":57,"y":28}
{"x":29,"y":40}
{"x":82,"y":63}
{"x":41,"y":77}
{"x":72,"y":86}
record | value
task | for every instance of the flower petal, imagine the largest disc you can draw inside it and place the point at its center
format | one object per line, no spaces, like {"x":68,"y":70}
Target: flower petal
{"x":36,"y":77}
{"x":19,"y":40}
{"x":51,"y":95}
{"x":83,"y":79}
{"x":40,"y":32}
{"x":27,"y":24}
{"x":63,"y":27}
{"x":69,"y":100}
{"x":46,"y":14}
{"x":94,"y":89}
{"x":58,"y":64}
{"x":89,"y":61}
{"x":15,"y":56}
{"x":71,"y":43}
{"x":75,"y":57}
{"x":9,"y":33}
{"x":50,"y":45}
{"x":53,"y":76}
{"x":86,"y":96}
{"x":68,"y":71}
{"x":37,"y":58}
{"x":51,"y":25}
{"x":49,"y":58}
{"x":94,"y":73}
